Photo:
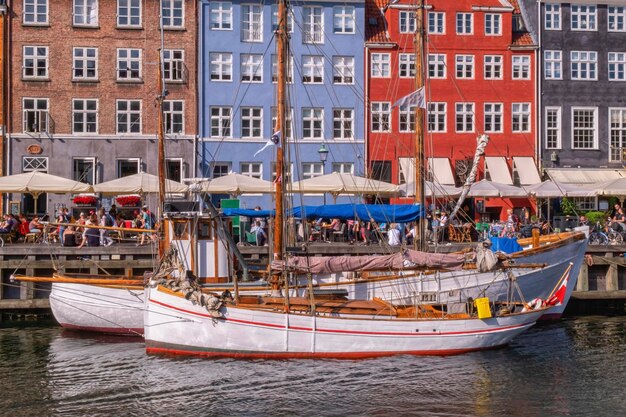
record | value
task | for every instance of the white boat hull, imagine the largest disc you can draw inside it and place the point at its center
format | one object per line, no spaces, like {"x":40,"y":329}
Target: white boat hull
{"x":98,"y":308}
{"x":173,"y":325}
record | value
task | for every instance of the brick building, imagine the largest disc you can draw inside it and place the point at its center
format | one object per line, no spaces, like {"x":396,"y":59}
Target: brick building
{"x":479,"y":65}
{"x":82,"y":85}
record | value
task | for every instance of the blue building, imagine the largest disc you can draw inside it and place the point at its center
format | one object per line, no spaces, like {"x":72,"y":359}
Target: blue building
{"x":237,"y":91}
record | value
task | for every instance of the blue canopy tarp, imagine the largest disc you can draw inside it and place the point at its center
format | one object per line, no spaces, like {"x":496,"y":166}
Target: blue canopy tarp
{"x":505,"y":244}
{"x":230,"y":212}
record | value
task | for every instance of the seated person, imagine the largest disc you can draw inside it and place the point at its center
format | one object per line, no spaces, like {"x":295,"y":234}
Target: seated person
{"x":393,"y":235}
{"x":22,"y":228}
{"x":583,"y":221}
{"x":35,"y":226}
{"x":261,"y":236}
{"x":9,"y":224}
{"x":69,"y":236}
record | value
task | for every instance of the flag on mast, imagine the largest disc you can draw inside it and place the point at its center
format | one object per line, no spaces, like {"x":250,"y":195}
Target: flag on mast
{"x":416,"y":98}
{"x":273,"y":141}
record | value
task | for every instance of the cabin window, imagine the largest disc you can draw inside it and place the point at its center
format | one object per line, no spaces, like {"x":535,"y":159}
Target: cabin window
{"x":205,"y":230}
{"x":181,"y":230}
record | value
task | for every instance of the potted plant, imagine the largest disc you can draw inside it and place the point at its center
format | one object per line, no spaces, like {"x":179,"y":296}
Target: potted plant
{"x":128,"y":200}
{"x":85,"y":200}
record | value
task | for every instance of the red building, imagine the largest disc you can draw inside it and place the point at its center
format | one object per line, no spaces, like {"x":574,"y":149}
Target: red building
{"x":479,"y":62}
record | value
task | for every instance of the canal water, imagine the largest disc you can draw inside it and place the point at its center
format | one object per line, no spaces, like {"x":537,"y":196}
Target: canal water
{"x":573,"y":367}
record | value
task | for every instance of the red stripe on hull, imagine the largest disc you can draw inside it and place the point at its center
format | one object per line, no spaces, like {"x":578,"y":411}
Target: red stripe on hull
{"x":108,"y":330}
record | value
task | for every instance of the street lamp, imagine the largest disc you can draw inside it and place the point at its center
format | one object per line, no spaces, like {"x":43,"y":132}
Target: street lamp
{"x":323,"y":152}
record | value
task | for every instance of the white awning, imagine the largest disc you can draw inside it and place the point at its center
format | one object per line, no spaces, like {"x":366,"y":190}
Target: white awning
{"x":584,"y":176}
{"x":407,"y":167}
{"x":526,"y":169}
{"x":498,"y":170}
{"x":441,"y":171}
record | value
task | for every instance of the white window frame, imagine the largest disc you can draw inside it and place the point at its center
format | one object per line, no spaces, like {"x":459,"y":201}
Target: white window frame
{"x":493,"y":116}
{"x":130,"y":60}
{"x":41,"y":114}
{"x":406,"y":22}
{"x":288,"y":123}
{"x":251,"y":68}
{"x":174,"y":114}
{"x":617,"y":66}
{"x":343,"y":70}
{"x":168,"y":14}
{"x":31,"y":15}
{"x":380,"y":65}
{"x":406,"y":65}
{"x":437,"y":117}
{"x":380,"y":120}
{"x":313,"y":122}
{"x":313,"y":69}
{"x":223,"y":167}
{"x":594,"y":111}
{"x":464,"y":117}
{"x":616,"y":19}
{"x":520,"y":67}
{"x":118,"y":161}
{"x":81,"y":55}
{"x":464,"y":23}
{"x":221,"y":66}
{"x":553,"y":65}
{"x":131,"y":115}
{"x":84,"y":14}
{"x":251,"y":169}
{"x":312,"y":170}
{"x":129,"y":7}
{"x":221,"y":15}
{"x":290,"y":19}
{"x":555,"y":129}
{"x":584,"y":65}
{"x":406,"y":119}
{"x":436,"y":23}
{"x":175,"y":161}
{"x":437,"y":66}
{"x":552,"y":16}
{"x":616,"y":152}
{"x":520,"y":116}
{"x":493,"y":24}
{"x":492,"y":67}
{"x":174,"y":65}
{"x":275,"y":69}
{"x":343,"y":124}
{"x":343,"y":20}
{"x":464,"y":67}
{"x":218,"y":115}
{"x":33,"y":54}
{"x":251,"y":122}
{"x":251,"y":22}
{"x":312,"y":24}
{"x":583,"y":17}
{"x":85,"y":113}
{"x":88,"y":161}
{"x":343,"y":167}
{"x":35,"y":163}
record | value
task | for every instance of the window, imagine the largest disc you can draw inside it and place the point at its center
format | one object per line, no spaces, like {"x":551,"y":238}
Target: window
{"x":128,"y":166}
{"x":251,"y":23}
{"x":312,"y":170}
{"x":275,"y":69}
{"x":436,"y":65}
{"x":128,"y":116}
{"x":251,"y":68}
{"x":252,"y":169}
{"x":493,"y":24}
{"x":174,"y":65}
{"x":221,"y":16}
{"x":85,"y":12}
{"x":381,"y":170}
{"x":343,"y":167}
{"x":252,"y":122}
{"x":616,"y":17}
{"x":552,"y":16}
{"x":406,"y":64}
{"x":520,"y":117}
{"x":35,"y":116}
{"x":584,"y":65}
{"x":35,"y":62}
{"x":35,"y":12}
{"x":617,"y":118}
{"x":174,"y":114}
{"x":343,"y":19}
{"x":407,"y":22}
{"x":221,"y":66}
{"x":464,"y":23}
{"x":493,"y":67}
{"x":407,"y":118}
{"x":521,"y":67}
{"x":584,"y":128}
{"x":220,"y":169}
{"x":129,"y":64}
{"x":221,"y":122}
{"x":173,"y":13}
{"x":436,"y":23}
{"x":553,"y":128}
{"x":617,"y":62}
{"x":288,"y":122}
{"x":381,"y":66}
{"x":343,"y":70}
{"x":312,"y":123}
{"x":313,"y":24}
{"x":465,"y":66}
{"x":583,"y":17}
{"x":493,"y":117}
{"x":553,"y":65}
{"x":275,"y":19}
{"x":129,"y":13}
{"x":85,"y":66}
{"x":381,"y":117}
{"x":84,"y":116}
{"x":343,"y":121}
{"x":84,"y":170}
{"x":312,"y":69}
{"x":174,"y":169}
{"x":35,"y":163}
{"x":437,"y":117}
{"x":464,"y":117}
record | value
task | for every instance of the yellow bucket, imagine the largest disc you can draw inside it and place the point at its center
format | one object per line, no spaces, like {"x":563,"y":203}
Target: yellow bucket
{"x":482,"y":305}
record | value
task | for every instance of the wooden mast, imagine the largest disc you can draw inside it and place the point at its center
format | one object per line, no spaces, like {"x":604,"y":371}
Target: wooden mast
{"x":419,"y":126}
{"x":161,"y":143}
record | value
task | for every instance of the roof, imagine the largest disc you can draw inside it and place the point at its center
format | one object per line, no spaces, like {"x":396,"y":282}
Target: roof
{"x":522,"y":39}
{"x":375,"y":30}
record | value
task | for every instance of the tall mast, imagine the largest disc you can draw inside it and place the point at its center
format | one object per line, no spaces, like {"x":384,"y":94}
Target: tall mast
{"x":419,"y":125}
{"x":161,"y":142}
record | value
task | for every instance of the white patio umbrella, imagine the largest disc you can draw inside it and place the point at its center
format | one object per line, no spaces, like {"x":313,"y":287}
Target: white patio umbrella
{"x":337,"y":183}
{"x":431,"y":189}
{"x":236,"y":184}
{"x":616,"y":187}
{"x":485,"y":188}
{"x":551,"y":188}
{"x":36,"y":183}
{"x":141,"y":183}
